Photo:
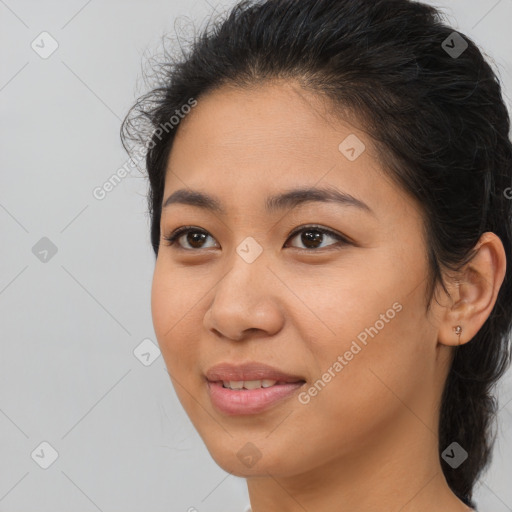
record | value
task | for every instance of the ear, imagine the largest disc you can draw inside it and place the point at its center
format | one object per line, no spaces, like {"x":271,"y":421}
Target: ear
{"x":474,"y":292}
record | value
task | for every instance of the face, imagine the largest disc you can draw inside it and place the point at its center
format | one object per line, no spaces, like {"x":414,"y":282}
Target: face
{"x":329,"y":292}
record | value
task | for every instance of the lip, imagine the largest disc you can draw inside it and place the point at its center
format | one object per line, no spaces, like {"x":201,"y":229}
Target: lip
{"x":249,"y":371}
{"x":249,"y":401}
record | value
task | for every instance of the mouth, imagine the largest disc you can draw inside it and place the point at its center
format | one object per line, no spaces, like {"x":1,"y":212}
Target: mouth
{"x":249,"y":388}
{"x":250,"y":373}
{"x":242,"y":385}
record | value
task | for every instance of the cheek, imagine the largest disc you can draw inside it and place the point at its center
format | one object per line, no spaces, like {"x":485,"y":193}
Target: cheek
{"x":174,"y":297}
{"x":172,"y":308}
{"x":381,"y":352}
{"x":162,"y":304}
{"x":171,"y":303}
{"x":382,"y":382}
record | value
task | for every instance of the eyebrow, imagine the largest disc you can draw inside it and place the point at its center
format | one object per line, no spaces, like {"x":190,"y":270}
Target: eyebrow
{"x":289,"y":199}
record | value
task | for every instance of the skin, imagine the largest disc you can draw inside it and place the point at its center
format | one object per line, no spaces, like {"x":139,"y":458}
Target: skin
{"x":367,"y":441}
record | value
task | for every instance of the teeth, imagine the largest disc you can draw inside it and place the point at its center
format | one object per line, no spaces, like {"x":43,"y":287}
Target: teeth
{"x":248,"y":384}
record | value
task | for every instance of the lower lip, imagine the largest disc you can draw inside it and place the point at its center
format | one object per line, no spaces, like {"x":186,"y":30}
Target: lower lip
{"x":249,"y":401}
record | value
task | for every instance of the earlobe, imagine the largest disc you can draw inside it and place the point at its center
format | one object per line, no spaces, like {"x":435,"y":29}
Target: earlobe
{"x":477,"y":289}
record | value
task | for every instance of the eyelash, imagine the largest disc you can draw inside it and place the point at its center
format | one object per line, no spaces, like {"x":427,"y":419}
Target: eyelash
{"x":176,"y":234}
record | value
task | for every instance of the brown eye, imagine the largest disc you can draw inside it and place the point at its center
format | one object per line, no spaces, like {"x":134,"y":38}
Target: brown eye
{"x":313,"y":236}
{"x":188,"y":235}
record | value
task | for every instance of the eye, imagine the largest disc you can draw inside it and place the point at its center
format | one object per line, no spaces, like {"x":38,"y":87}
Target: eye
{"x":311,"y":236}
{"x":193,"y":237}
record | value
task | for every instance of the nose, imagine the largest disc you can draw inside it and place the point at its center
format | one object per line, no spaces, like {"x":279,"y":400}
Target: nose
{"x":245,"y":301}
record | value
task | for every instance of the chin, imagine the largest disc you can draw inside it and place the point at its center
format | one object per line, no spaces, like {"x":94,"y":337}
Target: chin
{"x":245,"y":458}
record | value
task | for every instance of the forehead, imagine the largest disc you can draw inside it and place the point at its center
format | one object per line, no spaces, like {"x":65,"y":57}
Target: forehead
{"x":247,"y":142}
{"x":276,"y":116}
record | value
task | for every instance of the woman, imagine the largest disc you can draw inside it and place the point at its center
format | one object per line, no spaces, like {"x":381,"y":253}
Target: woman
{"x":331,"y":215}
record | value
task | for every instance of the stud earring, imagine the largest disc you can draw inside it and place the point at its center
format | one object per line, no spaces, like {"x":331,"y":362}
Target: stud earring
{"x":458,"y":331}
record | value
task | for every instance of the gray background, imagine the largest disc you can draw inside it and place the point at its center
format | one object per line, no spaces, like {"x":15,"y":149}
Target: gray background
{"x":70,"y":324}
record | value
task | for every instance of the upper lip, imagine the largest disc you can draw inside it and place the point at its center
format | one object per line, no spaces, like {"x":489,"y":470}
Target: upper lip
{"x":248,"y":371}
